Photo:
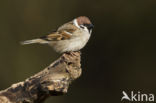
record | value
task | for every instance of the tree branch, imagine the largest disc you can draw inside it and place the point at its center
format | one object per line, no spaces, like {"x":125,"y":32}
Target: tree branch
{"x":52,"y":81}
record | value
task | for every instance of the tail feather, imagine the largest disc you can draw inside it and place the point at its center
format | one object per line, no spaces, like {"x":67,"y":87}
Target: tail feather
{"x":41,"y":41}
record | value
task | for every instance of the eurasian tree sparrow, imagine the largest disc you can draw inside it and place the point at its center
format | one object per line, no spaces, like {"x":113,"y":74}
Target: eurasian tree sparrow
{"x":71,"y":36}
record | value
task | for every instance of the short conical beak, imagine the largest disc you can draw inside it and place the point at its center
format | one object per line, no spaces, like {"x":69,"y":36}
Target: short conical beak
{"x":90,"y":26}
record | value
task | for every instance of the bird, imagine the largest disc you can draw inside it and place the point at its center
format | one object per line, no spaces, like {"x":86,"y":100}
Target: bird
{"x":69,"y":37}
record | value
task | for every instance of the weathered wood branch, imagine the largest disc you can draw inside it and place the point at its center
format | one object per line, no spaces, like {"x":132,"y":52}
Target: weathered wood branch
{"x":52,"y":81}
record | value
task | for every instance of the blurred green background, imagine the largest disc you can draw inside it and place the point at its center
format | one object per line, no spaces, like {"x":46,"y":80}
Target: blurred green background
{"x":121,"y":54}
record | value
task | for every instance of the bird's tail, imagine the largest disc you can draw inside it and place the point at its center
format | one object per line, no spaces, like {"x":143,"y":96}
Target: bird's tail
{"x":41,"y":41}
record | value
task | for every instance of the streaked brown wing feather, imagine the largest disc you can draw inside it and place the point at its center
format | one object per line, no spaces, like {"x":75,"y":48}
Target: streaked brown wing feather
{"x":62,"y":35}
{"x":64,"y":32}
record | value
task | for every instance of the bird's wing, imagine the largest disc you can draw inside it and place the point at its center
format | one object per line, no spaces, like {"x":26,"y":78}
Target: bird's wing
{"x":56,"y":36}
{"x":64,"y":32}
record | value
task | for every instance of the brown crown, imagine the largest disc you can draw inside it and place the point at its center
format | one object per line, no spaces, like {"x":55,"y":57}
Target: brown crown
{"x":83,"y":20}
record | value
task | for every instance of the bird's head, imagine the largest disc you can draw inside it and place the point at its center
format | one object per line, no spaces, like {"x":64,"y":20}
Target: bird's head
{"x":83,"y":23}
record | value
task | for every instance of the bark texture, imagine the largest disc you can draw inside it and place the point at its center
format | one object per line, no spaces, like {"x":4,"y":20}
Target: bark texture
{"x":54,"y":80}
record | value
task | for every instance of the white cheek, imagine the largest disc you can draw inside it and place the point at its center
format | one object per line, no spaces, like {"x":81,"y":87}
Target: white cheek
{"x":85,"y":29}
{"x":75,"y":23}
